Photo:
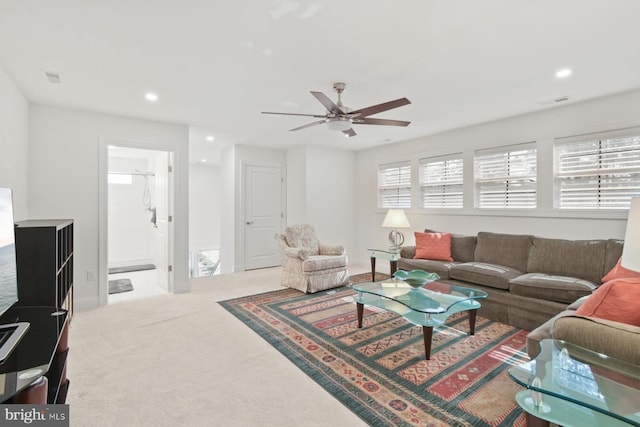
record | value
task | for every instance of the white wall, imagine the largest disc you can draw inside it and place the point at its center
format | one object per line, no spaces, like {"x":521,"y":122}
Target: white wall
{"x":64,"y":181}
{"x":228,"y":210}
{"x":131,"y":233}
{"x":204,"y":207}
{"x":14,"y":144}
{"x":603,"y":114}
{"x":297,"y":185}
{"x":330,"y":187}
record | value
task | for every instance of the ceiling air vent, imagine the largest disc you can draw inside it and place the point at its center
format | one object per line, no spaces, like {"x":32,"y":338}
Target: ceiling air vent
{"x":52,"y":77}
{"x":554,"y":100}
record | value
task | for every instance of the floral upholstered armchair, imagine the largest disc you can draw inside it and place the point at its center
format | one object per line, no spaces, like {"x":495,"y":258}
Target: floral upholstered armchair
{"x":309,"y":265}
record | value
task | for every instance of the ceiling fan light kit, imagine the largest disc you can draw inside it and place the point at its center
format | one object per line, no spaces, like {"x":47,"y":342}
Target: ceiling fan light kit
{"x":339,"y":123}
{"x":340,"y":118}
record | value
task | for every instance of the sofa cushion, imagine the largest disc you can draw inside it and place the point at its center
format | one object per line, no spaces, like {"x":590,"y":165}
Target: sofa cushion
{"x":463,"y":248}
{"x":617,"y":300}
{"x":574,"y":258}
{"x":436,"y":246}
{"x":509,"y":250}
{"x":441,"y":268}
{"x":495,"y":276}
{"x":612,"y":254}
{"x":552,"y":288}
{"x":619,"y":272}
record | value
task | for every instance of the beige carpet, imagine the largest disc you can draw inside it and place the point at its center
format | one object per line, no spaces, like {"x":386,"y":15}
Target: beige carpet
{"x":182,"y":360}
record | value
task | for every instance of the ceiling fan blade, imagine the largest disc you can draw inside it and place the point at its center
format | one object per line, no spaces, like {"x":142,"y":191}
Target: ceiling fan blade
{"x":328,"y":103}
{"x":374,"y":109}
{"x":349,"y":132}
{"x":386,"y":122}
{"x":319,"y":122}
{"x":293,"y":114}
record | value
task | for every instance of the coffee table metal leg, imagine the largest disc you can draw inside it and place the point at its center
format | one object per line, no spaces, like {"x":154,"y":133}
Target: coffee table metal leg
{"x":472,"y":321}
{"x":393,"y":266}
{"x":360,"y":311}
{"x":427,"y":333}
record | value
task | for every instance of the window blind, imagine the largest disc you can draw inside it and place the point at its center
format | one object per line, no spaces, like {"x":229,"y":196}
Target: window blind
{"x":394,"y":185}
{"x":506,"y":177}
{"x":441,"y":182}
{"x":597,"y":173}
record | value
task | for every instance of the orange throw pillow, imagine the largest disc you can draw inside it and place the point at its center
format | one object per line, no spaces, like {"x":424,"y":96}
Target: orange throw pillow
{"x":435,"y":246}
{"x":617,"y":300}
{"x":619,"y":272}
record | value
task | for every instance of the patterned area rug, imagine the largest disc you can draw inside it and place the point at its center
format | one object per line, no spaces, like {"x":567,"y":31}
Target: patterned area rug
{"x":379,"y":371}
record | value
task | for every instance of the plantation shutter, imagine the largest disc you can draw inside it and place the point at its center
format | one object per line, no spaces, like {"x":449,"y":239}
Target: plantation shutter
{"x":441,"y":182}
{"x":597,"y":171}
{"x":506,"y":177}
{"x":394,"y":185}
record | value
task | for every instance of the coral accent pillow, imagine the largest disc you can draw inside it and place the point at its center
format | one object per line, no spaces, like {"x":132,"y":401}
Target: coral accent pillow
{"x":617,"y":300}
{"x":619,"y":272}
{"x":435,"y":246}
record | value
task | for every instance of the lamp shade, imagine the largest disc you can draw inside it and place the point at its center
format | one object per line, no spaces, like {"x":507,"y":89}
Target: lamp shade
{"x":396,"y":218}
{"x":631,"y":250}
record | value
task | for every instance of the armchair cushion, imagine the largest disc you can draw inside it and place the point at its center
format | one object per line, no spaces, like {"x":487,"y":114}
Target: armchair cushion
{"x":331,"y":249}
{"x":303,"y":236}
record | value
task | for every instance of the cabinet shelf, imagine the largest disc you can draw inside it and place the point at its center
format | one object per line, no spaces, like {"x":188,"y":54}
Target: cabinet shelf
{"x":44,"y":252}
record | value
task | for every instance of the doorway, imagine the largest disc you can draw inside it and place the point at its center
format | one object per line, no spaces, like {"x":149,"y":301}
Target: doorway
{"x":138,"y":223}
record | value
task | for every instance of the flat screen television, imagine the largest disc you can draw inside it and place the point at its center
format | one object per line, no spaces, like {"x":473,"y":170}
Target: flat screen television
{"x":11,"y":333}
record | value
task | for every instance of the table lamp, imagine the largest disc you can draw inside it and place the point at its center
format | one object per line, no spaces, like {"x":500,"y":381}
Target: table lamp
{"x":631,"y":250}
{"x":395,"y":219}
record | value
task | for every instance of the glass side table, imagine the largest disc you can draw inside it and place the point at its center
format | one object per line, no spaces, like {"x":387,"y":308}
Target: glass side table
{"x":572,"y":386}
{"x":390,"y":255}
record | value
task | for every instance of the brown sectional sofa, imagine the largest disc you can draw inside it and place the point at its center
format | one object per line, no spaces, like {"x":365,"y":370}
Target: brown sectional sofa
{"x":529,"y":279}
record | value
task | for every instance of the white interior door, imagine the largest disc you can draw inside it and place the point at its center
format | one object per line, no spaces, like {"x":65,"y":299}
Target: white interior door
{"x":162,"y":219}
{"x":264,"y":215}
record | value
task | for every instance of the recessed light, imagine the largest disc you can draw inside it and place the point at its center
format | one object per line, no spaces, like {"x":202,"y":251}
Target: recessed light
{"x":210,"y":138}
{"x":561,"y":74}
{"x":151,"y":97}
{"x":203,"y":161}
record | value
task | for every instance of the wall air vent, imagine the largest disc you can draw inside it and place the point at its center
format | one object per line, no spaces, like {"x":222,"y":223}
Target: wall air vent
{"x":52,"y":77}
{"x":554,"y":100}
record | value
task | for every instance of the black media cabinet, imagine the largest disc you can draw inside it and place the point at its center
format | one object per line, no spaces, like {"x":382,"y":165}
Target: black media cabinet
{"x":42,"y":352}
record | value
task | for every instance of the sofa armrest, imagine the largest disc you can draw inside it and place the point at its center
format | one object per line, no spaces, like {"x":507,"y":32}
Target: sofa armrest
{"x":615,"y":339}
{"x":408,"y":252}
{"x":331,"y":249}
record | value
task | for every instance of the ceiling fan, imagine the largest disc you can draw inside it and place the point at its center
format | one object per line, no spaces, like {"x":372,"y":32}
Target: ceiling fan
{"x":340,"y":118}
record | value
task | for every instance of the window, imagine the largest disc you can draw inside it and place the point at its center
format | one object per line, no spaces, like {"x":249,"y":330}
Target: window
{"x":441,"y":182}
{"x":394,"y":185}
{"x":506,"y":177}
{"x":597,"y":171}
{"x":119,"y":178}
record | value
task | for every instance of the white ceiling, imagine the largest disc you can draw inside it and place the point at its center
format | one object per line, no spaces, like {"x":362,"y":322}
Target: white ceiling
{"x":216,"y":64}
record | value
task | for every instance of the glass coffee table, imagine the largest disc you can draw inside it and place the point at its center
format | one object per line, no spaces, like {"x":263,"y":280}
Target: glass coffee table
{"x":572,"y":386}
{"x":426,"y":306}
